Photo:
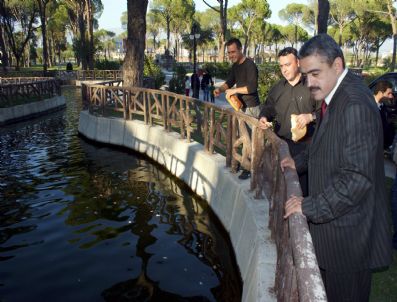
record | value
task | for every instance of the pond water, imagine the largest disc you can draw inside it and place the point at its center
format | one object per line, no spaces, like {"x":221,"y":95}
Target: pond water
{"x":87,"y":222}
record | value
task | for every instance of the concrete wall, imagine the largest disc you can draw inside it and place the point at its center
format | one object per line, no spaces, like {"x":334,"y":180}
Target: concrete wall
{"x":245,"y":218}
{"x":23,"y":112}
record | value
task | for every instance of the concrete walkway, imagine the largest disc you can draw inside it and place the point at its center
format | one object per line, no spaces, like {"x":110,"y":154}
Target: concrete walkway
{"x":219,"y":101}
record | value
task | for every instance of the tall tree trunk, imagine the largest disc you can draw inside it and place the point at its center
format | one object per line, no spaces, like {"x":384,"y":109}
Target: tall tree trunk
{"x":222,"y":40}
{"x":134,"y":58}
{"x":394,"y":29}
{"x":4,"y":51}
{"x":43,"y":20}
{"x":90,"y":33}
{"x":323,"y":12}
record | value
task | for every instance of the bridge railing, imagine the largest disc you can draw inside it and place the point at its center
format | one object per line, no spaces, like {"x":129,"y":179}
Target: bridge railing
{"x":28,"y":88}
{"x":244,"y":144}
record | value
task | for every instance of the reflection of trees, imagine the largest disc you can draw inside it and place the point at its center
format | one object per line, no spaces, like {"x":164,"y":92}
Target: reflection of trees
{"x":121,"y":193}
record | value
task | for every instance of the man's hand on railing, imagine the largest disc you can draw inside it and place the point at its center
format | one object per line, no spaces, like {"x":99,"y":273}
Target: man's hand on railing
{"x":287,"y":162}
{"x":293,"y":205}
{"x":264,"y":124}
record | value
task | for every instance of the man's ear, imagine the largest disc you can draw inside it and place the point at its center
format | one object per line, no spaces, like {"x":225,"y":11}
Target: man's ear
{"x":338,"y":64}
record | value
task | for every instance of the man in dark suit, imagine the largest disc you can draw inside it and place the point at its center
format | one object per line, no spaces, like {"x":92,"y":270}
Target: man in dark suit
{"x":347,"y":206}
{"x":384,"y":93}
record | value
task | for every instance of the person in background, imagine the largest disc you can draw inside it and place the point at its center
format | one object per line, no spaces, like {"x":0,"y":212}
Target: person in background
{"x":195,"y":85}
{"x":205,"y":84}
{"x":289,"y":96}
{"x":243,"y":74}
{"x":212,"y":88}
{"x":384,"y":93}
{"x":347,"y":206}
{"x":187,"y":86}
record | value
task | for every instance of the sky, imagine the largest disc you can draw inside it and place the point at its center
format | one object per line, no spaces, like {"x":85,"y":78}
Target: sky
{"x":110,"y":18}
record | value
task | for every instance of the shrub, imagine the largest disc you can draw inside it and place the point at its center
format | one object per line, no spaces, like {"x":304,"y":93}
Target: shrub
{"x":108,"y":65}
{"x":153,"y":71}
{"x":218,"y":70}
{"x":268,"y":75}
{"x":177,"y":82}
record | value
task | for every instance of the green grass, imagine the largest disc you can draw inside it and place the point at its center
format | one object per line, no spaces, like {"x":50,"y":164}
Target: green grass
{"x":384,"y":282}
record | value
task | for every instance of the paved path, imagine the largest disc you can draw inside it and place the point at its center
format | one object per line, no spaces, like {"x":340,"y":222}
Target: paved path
{"x":219,"y":101}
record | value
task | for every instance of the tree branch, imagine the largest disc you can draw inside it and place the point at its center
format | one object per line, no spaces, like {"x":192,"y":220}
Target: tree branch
{"x":217,"y":10}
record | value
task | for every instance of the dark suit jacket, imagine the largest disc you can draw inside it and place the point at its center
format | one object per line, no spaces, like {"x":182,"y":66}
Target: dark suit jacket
{"x":347,"y":206}
{"x":388,"y":128}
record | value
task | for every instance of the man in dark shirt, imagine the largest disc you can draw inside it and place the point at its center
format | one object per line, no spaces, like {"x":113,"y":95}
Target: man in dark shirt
{"x":384,"y":93}
{"x":244,"y":74}
{"x":290,"y":96}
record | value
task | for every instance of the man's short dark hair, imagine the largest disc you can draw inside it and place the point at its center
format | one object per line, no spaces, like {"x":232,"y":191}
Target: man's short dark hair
{"x":382,"y":86}
{"x":234,"y":41}
{"x":322,"y":45}
{"x":287,"y":51}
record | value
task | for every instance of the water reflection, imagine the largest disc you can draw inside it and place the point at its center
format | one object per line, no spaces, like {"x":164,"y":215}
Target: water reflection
{"x":85,"y":222}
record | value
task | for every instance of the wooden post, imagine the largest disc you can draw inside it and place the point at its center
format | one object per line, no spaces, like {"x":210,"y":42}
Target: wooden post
{"x":212,"y":130}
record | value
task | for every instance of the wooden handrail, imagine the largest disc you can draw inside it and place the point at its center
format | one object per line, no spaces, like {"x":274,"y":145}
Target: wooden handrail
{"x":238,"y":137}
{"x":27,"y":88}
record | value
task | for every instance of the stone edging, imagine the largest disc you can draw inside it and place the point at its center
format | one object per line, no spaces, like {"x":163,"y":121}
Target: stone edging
{"x":23,"y":112}
{"x":245,"y":218}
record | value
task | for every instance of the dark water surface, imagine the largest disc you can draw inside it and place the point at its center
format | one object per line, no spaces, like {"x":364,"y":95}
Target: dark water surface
{"x":83,"y":222}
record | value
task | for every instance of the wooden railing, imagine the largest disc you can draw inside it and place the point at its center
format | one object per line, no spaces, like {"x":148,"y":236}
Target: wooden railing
{"x":238,"y":137}
{"x":86,"y":75}
{"x":27,"y":88}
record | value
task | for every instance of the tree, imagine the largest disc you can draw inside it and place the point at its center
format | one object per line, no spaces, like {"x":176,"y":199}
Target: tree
{"x":164,"y":9}
{"x":153,"y":26}
{"x":294,"y":34}
{"x":222,"y":11}
{"x":42,"y":5}
{"x":3,"y":47}
{"x":293,"y":13}
{"x":134,"y":58}
{"x":246,"y":14}
{"x":342,"y":13}
{"x":18,"y":19}
{"x":323,"y":12}
{"x":56,"y":29}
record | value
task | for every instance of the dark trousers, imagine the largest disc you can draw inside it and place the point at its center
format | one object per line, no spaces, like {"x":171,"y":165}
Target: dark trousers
{"x":294,"y":149}
{"x":394,"y":210}
{"x":347,"y":287}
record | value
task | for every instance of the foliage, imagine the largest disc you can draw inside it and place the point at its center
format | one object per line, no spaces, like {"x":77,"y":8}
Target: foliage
{"x":177,"y":82}
{"x":107,"y":65}
{"x":268,"y":75}
{"x":152,"y":70}
{"x":218,"y":70}
{"x":249,"y":15}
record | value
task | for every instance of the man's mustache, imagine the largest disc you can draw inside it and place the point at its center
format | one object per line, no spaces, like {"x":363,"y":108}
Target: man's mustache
{"x":314,"y":88}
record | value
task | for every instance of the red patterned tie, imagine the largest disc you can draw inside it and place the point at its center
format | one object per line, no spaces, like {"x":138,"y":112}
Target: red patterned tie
{"x":323,"y":108}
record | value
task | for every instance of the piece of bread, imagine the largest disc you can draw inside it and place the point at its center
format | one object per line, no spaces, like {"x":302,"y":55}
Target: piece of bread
{"x":297,"y":134}
{"x":235,"y":102}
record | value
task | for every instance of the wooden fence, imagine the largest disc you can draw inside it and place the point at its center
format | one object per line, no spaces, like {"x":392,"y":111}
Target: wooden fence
{"x":244,"y":144}
{"x":28,"y":88}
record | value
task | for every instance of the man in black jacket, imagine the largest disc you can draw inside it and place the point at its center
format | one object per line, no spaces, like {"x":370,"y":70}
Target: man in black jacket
{"x":290,"y":96}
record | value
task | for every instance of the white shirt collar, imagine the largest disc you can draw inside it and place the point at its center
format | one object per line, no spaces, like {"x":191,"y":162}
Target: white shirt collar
{"x":328,"y":98}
